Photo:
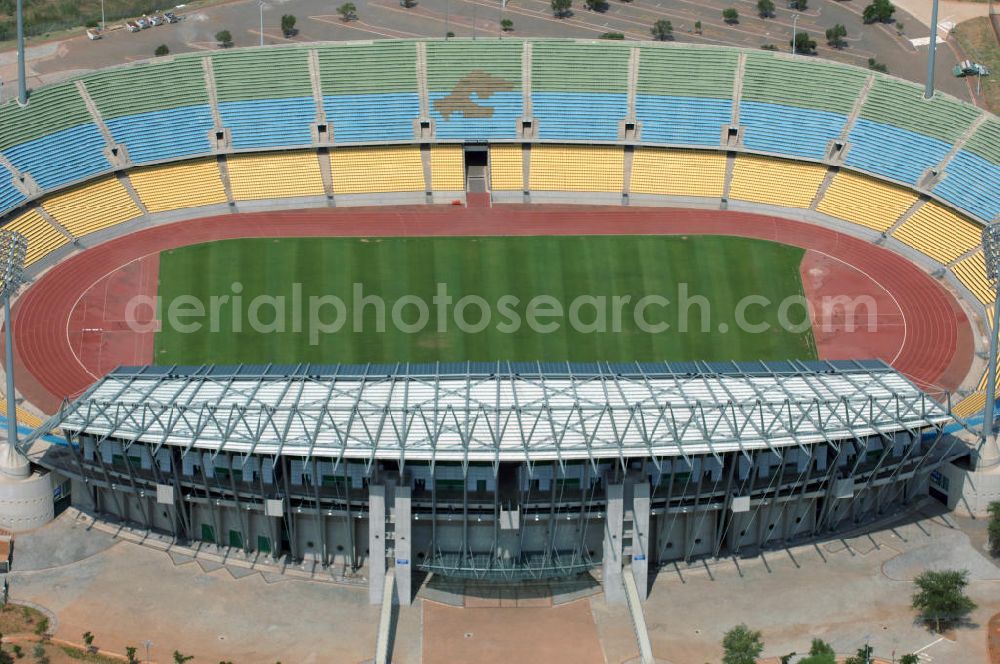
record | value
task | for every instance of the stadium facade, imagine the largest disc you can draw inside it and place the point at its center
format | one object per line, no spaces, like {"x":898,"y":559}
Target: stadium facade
{"x":501,"y":471}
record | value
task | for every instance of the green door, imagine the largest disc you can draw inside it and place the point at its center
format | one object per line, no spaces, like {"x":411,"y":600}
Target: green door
{"x":263,"y":544}
{"x":207,"y":533}
{"x":236,"y":539}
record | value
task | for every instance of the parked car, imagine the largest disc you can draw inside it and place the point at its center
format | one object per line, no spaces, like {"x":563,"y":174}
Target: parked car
{"x":156,"y":19}
{"x":132,"y":26}
{"x":143,"y":23}
{"x":94,"y":33}
{"x":171,"y":17}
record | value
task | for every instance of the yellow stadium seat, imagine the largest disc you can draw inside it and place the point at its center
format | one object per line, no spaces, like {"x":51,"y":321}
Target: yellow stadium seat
{"x":275,"y":175}
{"x":182,"y":185}
{"x":92,"y":207}
{"x":971,"y":404}
{"x":775,"y":181}
{"x":395,"y":168}
{"x":576,"y":168}
{"x":939,"y":233}
{"x":972,"y":273}
{"x":678,"y":172}
{"x":447,"y":168}
{"x":506,"y":168}
{"x":24,"y":417}
{"x":866,"y":201}
{"x":43,"y":238}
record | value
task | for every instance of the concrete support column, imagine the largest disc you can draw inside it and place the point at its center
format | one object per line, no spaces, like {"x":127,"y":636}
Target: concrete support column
{"x":614,"y":590}
{"x":376,"y":542}
{"x":403,"y":546}
{"x":640,"y":537}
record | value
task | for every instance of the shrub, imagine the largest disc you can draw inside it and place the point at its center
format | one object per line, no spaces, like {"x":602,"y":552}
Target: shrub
{"x":730,"y":15}
{"x":663,"y":30}
{"x":507,"y":25}
{"x":161,"y":50}
{"x":224,"y":38}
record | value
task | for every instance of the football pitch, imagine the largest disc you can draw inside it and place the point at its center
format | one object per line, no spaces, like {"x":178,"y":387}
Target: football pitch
{"x":450,"y":299}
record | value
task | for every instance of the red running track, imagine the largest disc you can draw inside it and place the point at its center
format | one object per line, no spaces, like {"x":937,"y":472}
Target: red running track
{"x":930,"y":339}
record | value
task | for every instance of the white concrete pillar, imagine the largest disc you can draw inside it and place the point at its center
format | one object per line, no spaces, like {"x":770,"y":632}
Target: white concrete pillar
{"x":376,"y":542}
{"x":614,"y":591}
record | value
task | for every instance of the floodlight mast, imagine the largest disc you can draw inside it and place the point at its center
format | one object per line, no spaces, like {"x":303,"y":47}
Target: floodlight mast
{"x":13,"y":247}
{"x":989,"y":455}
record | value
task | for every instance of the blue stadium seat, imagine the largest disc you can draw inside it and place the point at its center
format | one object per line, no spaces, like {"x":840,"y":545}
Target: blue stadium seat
{"x":789,"y":130}
{"x":267,"y":123}
{"x":61,"y":157}
{"x":158,"y":135}
{"x":10,"y":196}
{"x":578,"y":116}
{"x":508,"y":108}
{"x":971,"y":183}
{"x":682,"y":120}
{"x":372,"y":118}
{"x":893,"y":152}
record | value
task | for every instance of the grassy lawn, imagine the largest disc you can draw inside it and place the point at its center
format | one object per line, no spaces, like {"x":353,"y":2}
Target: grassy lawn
{"x":721,"y":269}
{"x":979,"y":43}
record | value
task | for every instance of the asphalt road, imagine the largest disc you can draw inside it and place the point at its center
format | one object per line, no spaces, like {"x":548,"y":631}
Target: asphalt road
{"x":379,"y":19}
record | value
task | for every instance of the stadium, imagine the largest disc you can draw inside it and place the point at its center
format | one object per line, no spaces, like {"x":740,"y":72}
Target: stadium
{"x":501,"y":168}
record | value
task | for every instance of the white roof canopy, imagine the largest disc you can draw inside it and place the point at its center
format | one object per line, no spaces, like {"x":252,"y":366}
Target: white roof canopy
{"x":491,"y":412}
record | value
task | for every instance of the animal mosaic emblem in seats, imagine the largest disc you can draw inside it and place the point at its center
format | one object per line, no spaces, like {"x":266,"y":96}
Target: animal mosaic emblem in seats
{"x":479,"y":83}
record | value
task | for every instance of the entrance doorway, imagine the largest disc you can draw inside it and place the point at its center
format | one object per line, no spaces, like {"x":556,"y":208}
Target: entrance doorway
{"x":477,"y":165}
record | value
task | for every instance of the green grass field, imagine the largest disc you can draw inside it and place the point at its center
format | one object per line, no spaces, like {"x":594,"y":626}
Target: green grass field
{"x":721,"y":269}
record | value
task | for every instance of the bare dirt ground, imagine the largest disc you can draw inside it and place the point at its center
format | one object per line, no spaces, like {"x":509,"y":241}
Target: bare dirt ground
{"x":556,"y":635}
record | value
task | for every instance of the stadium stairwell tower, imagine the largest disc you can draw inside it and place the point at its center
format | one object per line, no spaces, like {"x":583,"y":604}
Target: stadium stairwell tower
{"x":25,"y":496}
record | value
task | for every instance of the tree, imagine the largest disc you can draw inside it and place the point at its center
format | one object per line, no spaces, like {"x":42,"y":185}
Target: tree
{"x":596,"y":5}
{"x":940,"y":597}
{"x":88,"y":639}
{"x":742,"y":645}
{"x":225,"y":38}
{"x":993,"y":529}
{"x":835,"y":36}
{"x":130,"y":652}
{"x":663,"y":30}
{"x":38,"y":652}
{"x":878,"y":10}
{"x":507,"y":25}
{"x":348,"y":12}
{"x":765,"y":8}
{"x":697,"y":27}
{"x":180,"y":659}
{"x":730,"y":15}
{"x":819,"y":659}
{"x":801,"y":5}
{"x":562,"y":8}
{"x":803,"y":43}
{"x":863,"y":656}
{"x":288,"y":25}
{"x":161,"y":50}
{"x":909,"y":659}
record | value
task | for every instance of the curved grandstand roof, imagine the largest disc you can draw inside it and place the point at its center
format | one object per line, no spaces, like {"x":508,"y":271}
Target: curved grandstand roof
{"x":366,"y":93}
{"x":501,"y":412}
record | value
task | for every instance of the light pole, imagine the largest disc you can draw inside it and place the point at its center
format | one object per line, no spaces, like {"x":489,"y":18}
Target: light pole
{"x":795,"y":22}
{"x":932,"y":52}
{"x":102,"y":16}
{"x":13,"y":246}
{"x":991,"y":256}
{"x":261,"y":4}
{"x":22,"y":81}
